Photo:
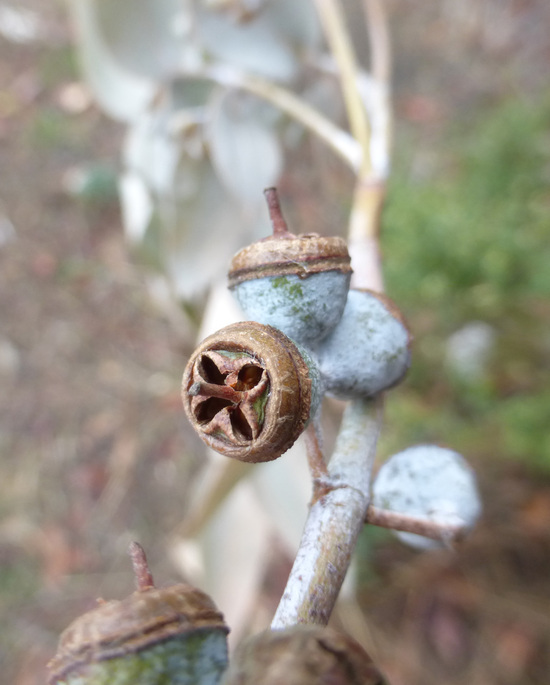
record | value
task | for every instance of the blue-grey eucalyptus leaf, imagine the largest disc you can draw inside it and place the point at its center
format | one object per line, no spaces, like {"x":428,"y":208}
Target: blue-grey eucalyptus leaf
{"x":254,"y":46}
{"x":121,"y":93}
{"x":202,"y":227}
{"x":151,"y":151}
{"x":147,"y":37}
{"x":297,"y":23}
{"x":244,"y":149}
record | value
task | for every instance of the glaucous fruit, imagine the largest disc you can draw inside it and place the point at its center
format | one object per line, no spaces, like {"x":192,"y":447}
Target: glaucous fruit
{"x":428,"y":481}
{"x":155,"y":636}
{"x":368,"y":351}
{"x":249,"y":391}
{"x":296,"y":283}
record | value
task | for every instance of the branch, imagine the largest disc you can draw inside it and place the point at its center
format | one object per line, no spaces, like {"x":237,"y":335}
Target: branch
{"x":334,"y":521}
{"x":339,"y":507}
{"x":370,"y":190}
{"x":379,"y":39}
{"x":419,"y":525}
{"x":285,"y":100}
{"x":341,"y":47}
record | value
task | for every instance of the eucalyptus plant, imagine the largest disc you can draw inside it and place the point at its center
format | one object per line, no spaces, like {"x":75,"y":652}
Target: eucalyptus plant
{"x":213,"y":94}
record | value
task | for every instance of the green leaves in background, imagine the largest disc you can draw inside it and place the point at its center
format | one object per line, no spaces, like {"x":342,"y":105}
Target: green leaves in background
{"x":467,"y":246}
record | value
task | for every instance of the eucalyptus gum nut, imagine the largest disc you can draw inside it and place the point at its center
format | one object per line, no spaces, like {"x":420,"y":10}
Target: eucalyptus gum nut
{"x":368,"y":351}
{"x":429,"y":481}
{"x":301,"y":655}
{"x":152,"y":637}
{"x":249,"y":391}
{"x":304,"y":308}
{"x":296,"y":283}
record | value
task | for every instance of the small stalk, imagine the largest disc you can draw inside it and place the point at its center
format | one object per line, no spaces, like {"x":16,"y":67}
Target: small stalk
{"x":278,"y":221}
{"x":142,"y":573}
{"x":419,"y":525}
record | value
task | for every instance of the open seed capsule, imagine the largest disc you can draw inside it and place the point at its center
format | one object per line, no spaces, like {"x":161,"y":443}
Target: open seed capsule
{"x":249,"y":391}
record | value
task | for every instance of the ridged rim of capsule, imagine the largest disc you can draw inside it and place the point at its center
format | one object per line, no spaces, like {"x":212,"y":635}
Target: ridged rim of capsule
{"x":301,"y":255}
{"x":119,"y":627}
{"x":288,"y":405}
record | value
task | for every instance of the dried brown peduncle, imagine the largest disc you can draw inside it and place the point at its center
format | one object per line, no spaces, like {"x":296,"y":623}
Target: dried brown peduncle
{"x":142,"y":574}
{"x":280,"y":228}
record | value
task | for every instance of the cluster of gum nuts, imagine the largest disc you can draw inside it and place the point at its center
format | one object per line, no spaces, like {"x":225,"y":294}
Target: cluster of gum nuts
{"x":250,"y":389}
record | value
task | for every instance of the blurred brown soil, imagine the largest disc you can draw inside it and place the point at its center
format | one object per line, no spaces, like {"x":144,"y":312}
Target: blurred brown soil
{"x":92,"y":438}
{"x":91,"y":432}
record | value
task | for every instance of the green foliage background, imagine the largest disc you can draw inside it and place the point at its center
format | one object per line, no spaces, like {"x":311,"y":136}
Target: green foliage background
{"x":470,"y":241}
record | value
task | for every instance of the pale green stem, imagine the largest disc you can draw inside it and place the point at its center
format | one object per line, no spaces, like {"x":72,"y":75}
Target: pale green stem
{"x":379,"y":39}
{"x":289,"y":103}
{"x":332,"y":18}
{"x":370,"y":189}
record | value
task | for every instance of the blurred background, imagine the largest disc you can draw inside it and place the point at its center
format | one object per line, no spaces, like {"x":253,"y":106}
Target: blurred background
{"x":94,"y":449}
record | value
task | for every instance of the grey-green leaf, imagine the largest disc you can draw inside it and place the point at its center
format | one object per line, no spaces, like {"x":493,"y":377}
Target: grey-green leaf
{"x":121,"y":93}
{"x":245,"y":150}
{"x":254,"y":46}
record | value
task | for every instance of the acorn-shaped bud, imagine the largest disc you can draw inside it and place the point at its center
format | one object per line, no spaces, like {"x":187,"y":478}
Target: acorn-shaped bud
{"x":155,"y":636}
{"x":428,"y":481}
{"x":249,"y":391}
{"x":302,"y":655}
{"x":298,"y":284}
{"x":368,"y":351}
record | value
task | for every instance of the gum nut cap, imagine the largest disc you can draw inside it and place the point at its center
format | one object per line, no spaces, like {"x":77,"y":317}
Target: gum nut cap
{"x":301,"y":655}
{"x":297,"y":283}
{"x":144,"y":619}
{"x":369,"y":350}
{"x":430,"y":481}
{"x":249,"y":391}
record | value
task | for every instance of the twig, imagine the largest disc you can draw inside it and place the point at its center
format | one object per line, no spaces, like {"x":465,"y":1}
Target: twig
{"x":370,"y":190}
{"x":286,"y":101}
{"x":414,"y":524}
{"x":317,"y":465}
{"x":336,"y":518}
{"x":333,"y":21}
{"x":379,"y":39}
{"x":334,"y":521}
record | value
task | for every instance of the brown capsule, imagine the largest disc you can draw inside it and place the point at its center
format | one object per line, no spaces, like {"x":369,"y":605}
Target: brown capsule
{"x":302,"y":655}
{"x":297,"y":283}
{"x":284,"y":253}
{"x":248,"y":390}
{"x":117,"y":638}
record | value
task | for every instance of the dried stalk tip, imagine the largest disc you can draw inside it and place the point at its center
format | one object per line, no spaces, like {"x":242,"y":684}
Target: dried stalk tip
{"x":302,"y":655}
{"x":142,"y":573}
{"x":280,"y":228}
